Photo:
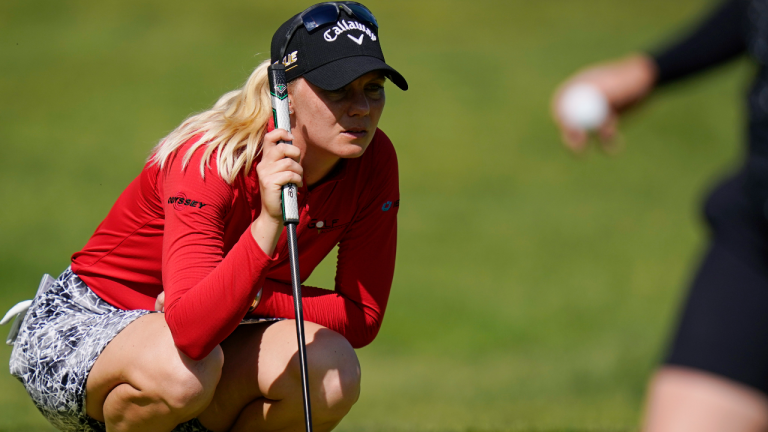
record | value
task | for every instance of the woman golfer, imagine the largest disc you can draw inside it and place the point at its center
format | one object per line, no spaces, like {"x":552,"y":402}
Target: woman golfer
{"x":198,"y":235}
{"x":715,"y":375}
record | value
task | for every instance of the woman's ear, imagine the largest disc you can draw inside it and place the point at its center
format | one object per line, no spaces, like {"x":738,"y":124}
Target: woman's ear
{"x":291,"y":88}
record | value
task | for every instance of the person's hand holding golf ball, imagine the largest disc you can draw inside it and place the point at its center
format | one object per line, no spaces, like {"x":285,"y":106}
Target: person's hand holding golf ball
{"x":590,"y":101}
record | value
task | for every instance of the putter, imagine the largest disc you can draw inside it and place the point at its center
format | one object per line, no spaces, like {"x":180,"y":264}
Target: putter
{"x":279,"y":90}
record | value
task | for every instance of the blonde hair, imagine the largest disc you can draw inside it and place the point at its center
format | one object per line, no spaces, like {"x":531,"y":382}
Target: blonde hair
{"x":233,"y":129}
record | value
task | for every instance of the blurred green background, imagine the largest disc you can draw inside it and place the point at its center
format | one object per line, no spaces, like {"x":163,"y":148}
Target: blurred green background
{"x":534,"y":290}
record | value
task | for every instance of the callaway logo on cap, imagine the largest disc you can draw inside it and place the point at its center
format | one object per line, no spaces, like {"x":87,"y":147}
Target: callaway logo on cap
{"x":342,"y":26}
{"x":332,"y":44}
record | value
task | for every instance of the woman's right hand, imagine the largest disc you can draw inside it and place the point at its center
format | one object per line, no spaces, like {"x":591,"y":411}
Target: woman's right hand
{"x":623,"y":82}
{"x":279,"y":166}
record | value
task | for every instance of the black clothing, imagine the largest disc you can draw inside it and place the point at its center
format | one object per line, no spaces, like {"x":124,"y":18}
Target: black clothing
{"x":735,"y":27}
{"x":724,"y":327}
{"x":720,"y":37}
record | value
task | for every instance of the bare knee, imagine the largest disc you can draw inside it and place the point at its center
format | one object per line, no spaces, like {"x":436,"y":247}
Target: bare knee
{"x":682,"y":399}
{"x":335,"y":373}
{"x":187,"y":386}
{"x":141,"y":378}
{"x":334,"y":378}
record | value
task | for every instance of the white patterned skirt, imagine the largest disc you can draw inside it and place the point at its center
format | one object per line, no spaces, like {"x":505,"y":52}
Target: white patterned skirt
{"x":63,"y":333}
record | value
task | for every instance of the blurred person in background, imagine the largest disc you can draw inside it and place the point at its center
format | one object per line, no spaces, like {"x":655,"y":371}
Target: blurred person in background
{"x":715,"y":374}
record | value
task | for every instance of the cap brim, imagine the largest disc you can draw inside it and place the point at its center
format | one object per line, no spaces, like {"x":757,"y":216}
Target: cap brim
{"x":337,"y":74}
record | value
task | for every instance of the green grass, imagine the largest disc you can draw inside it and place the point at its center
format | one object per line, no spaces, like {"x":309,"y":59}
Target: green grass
{"x":534,"y":290}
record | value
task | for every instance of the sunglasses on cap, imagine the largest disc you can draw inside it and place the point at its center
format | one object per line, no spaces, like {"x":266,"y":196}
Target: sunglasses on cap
{"x":325,"y":13}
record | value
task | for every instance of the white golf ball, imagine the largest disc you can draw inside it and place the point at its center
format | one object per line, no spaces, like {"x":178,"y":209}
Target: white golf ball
{"x":583,"y":106}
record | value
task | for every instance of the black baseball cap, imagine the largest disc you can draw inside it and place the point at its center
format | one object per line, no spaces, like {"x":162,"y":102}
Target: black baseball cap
{"x":333,"y":54}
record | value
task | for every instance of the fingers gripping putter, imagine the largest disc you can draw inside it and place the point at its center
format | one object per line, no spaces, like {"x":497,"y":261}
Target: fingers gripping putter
{"x":279,"y":90}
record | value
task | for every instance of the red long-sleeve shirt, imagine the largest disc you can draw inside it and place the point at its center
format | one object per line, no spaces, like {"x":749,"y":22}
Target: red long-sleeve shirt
{"x":189,"y":235}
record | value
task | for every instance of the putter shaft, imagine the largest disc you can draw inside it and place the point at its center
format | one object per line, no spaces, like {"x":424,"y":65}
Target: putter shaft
{"x":296,"y":285}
